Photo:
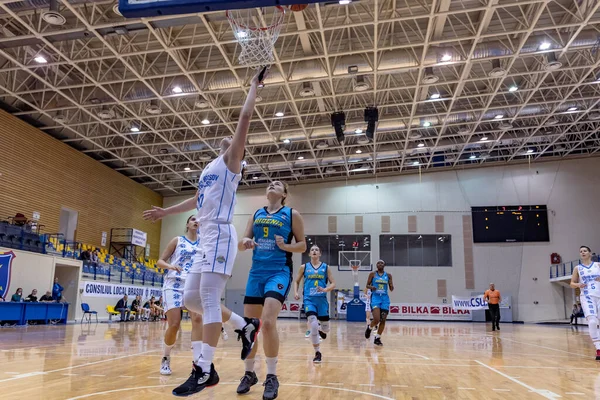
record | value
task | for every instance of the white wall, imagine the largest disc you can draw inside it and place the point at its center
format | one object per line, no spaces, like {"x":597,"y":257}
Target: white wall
{"x":30,"y":271}
{"x":571,"y":189}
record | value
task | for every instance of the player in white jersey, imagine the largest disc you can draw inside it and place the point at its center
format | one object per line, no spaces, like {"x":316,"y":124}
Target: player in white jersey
{"x":368,"y":306}
{"x":176,"y":259}
{"x":586,"y":277}
{"x":206,"y":280}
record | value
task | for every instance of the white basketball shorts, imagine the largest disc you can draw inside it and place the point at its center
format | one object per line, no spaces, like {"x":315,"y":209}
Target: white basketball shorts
{"x":218,"y":245}
{"x":368,"y":306}
{"x":590,"y":306}
{"x":172,"y":298}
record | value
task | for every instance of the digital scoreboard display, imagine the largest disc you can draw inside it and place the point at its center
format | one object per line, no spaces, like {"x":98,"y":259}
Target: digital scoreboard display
{"x":510,"y":224}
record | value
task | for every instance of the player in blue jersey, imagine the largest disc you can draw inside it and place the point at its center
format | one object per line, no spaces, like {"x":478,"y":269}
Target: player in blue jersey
{"x":379,"y":282}
{"x":318,"y":281}
{"x":270,"y":232}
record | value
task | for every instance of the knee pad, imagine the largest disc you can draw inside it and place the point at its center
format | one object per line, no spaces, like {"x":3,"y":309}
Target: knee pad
{"x":325,"y":326}
{"x":314,"y":324}
{"x":211,"y":305}
{"x":193,"y":301}
{"x":383,"y":315}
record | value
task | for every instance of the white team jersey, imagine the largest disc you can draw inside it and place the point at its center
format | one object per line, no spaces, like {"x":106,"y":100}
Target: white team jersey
{"x":588,"y":275}
{"x":217,"y":187}
{"x":368,"y":302}
{"x":182,"y":257}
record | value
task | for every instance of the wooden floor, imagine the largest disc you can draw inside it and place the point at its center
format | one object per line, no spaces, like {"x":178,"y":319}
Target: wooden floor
{"x":419,"y":360}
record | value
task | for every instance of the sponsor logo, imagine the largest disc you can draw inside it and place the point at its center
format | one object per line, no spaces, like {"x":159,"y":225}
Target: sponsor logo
{"x":220,"y":259}
{"x":279,"y":286}
{"x":295,"y":307}
{"x":394,"y":309}
{"x":435,"y":310}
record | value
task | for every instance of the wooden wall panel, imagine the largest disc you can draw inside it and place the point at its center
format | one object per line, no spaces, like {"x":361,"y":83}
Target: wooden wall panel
{"x":40,"y":173}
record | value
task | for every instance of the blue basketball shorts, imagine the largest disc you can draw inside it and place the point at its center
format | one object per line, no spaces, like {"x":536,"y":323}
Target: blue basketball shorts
{"x":317,"y":305}
{"x":263,"y":284}
{"x":381,"y":301}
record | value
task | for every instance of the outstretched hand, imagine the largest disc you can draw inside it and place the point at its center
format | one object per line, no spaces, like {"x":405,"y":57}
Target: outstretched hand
{"x":154,"y":214}
{"x":260,"y":76}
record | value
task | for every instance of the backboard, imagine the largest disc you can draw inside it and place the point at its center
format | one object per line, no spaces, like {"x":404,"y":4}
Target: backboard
{"x":350,"y":258}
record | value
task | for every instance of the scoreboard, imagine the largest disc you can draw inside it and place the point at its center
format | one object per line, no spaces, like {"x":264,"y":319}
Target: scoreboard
{"x":525,"y":223}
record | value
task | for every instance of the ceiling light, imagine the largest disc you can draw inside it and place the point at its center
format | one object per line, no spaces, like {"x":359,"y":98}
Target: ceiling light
{"x":426,"y":124}
{"x":307,"y":90}
{"x":572,"y":109}
{"x":421,"y":145}
{"x":472,"y":157}
{"x":40,"y":60}
{"x":286,"y":141}
{"x":545,"y":45}
{"x":430,"y":78}
{"x":279,"y":114}
{"x":201,"y":103}
{"x":322,"y":145}
{"x":434,"y":96}
{"x":330,"y":170}
{"x":300,"y":157}
{"x":415,"y":163}
{"x":446,"y":57}
{"x":205,"y":121}
{"x":499,"y":116}
{"x":134,"y":129}
{"x":483,"y":139}
{"x":177,"y":89}
{"x":529,"y":151}
{"x":186,"y":168}
{"x":344,"y":2}
{"x":360,"y":85}
{"x":513,"y":88}
{"x":497,"y":70}
{"x":255,"y":177}
{"x":359,"y":151}
{"x":241,"y":34}
{"x":358,"y":131}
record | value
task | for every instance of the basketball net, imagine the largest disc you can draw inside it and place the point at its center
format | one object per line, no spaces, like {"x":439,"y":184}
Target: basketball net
{"x":355,"y":269}
{"x":256,"y":41}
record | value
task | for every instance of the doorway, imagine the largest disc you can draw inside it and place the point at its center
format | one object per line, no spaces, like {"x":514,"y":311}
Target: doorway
{"x":68,"y":223}
{"x":68,"y":277}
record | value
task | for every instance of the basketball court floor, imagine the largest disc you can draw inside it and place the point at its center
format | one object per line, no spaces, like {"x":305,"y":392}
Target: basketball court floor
{"x":419,"y":360}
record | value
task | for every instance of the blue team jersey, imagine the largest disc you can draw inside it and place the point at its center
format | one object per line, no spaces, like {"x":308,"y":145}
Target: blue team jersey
{"x":313,"y":279}
{"x":267,"y":256}
{"x":381,"y":283}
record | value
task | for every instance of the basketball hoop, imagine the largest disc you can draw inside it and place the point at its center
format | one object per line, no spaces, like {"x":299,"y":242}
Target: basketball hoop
{"x":255,"y":40}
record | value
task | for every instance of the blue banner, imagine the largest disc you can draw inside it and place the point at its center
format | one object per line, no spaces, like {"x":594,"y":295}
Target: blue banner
{"x":6,"y":260}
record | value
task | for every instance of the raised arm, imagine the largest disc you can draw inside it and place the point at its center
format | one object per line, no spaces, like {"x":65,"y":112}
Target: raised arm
{"x":298,"y":230}
{"x":297,"y":281}
{"x":235,"y":153}
{"x":157,"y":213}
{"x":166,"y":255}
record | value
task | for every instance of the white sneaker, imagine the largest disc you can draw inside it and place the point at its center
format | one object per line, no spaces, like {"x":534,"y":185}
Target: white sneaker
{"x":165,"y":366}
{"x":224,"y":335}
{"x":307,"y":334}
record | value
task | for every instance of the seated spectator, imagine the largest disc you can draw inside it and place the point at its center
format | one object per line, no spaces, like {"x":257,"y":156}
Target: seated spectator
{"x":17,"y":296}
{"x":576,"y":313}
{"x":57,"y":291}
{"x":122,"y":308}
{"x":32,"y":297}
{"x":47,"y":297}
{"x":136,"y":307}
{"x":148,"y":308}
{"x":158,"y":308}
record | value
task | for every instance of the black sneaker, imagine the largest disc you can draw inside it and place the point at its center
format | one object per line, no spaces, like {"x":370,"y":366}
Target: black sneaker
{"x":197,"y":381}
{"x":497,"y":326}
{"x":317,"y":358}
{"x":271,"y":385}
{"x":368,"y":332}
{"x":323,"y":335}
{"x":248,"y":380}
{"x":248,"y":335}
{"x":377,"y":342}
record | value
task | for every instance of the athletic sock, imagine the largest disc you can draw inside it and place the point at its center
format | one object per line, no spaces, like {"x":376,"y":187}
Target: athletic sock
{"x":317,"y":348}
{"x":237,"y":321}
{"x":249,"y":364}
{"x":206,"y":358}
{"x":377,"y":336}
{"x":167,"y":349}
{"x":197,"y":350}
{"x":271,"y":365}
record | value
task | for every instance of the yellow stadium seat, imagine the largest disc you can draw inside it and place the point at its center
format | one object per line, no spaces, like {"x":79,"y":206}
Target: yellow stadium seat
{"x":111,"y":311}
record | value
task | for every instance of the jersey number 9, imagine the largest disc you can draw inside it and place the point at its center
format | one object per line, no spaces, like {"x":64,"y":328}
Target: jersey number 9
{"x":266,"y":231}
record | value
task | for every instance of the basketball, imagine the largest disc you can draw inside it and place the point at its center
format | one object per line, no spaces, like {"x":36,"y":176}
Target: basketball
{"x":298,"y":7}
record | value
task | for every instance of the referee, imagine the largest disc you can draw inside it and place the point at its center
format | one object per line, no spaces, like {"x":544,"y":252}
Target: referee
{"x":493,"y":297}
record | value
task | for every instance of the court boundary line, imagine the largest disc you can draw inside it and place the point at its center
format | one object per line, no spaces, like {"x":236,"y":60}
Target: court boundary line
{"x":85,"y":396}
{"x":518,"y":382}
